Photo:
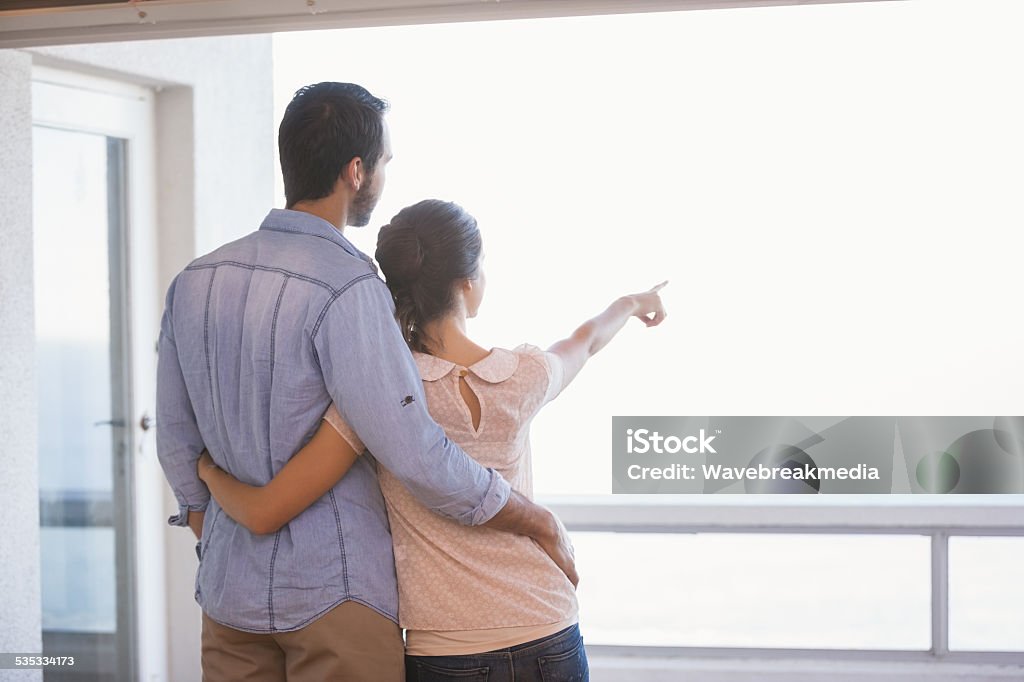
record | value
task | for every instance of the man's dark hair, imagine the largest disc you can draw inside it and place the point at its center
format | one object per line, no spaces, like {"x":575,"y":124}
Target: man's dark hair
{"x":325,"y":126}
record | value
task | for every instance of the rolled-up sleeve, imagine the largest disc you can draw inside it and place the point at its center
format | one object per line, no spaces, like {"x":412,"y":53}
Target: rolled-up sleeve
{"x":372,"y":378}
{"x":178,"y":441}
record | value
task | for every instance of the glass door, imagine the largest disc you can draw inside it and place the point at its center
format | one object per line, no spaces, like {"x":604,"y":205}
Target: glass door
{"x":84,"y":161}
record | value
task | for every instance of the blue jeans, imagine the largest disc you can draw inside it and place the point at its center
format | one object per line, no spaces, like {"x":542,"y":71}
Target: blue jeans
{"x":557,"y":658}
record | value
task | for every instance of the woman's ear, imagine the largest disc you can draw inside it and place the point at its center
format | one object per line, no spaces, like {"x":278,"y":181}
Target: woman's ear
{"x":463,"y":291}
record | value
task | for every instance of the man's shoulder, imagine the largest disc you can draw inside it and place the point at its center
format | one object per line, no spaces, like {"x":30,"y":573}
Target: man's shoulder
{"x":303,"y":257}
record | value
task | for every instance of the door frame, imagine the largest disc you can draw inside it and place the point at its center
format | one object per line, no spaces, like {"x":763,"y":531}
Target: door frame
{"x":74,"y":101}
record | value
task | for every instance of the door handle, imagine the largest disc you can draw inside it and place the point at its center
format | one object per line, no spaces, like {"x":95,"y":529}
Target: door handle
{"x":110,"y":422}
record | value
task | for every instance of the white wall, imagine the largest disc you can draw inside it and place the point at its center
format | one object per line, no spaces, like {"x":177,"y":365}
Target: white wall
{"x":231,"y":126}
{"x":215,"y":160}
{"x":19,"y":484}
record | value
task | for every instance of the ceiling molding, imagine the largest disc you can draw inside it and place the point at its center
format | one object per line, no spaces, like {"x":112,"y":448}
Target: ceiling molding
{"x":151,"y":19}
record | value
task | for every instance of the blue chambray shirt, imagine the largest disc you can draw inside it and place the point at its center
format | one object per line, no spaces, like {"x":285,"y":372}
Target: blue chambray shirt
{"x":257,"y":339}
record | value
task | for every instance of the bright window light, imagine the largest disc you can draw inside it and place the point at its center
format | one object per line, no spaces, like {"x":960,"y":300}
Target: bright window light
{"x":832,"y":191}
{"x":986,"y":594}
{"x":786,"y":591}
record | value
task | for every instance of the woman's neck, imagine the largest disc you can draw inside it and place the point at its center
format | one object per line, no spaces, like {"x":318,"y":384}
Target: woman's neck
{"x":447,"y":339}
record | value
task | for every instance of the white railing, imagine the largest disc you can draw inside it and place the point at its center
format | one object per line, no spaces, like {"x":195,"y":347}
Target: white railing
{"x":936,"y":517}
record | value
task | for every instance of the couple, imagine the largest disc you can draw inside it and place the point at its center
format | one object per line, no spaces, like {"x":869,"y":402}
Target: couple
{"x":336,"y":458}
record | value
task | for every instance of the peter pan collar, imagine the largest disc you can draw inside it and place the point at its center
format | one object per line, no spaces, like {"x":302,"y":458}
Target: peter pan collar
{"x":498,"y":366}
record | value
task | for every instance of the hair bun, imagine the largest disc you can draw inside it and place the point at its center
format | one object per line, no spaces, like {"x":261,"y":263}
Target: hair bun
{"x":404,"y":253}
{"x":423,"y":252}
{"x":417,"y":255}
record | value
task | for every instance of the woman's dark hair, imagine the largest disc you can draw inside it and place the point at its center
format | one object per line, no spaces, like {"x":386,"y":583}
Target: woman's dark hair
{"x":424,"y":252}
{"x":325,"y":126}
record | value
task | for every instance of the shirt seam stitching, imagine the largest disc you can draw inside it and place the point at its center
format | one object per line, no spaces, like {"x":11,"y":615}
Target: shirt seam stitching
{"x":270,"y":583}
{"x":341,"y":543}
{"x":206,"y":336}
{"x":323,"y":313}
{"x":266,"y":268}
{"x":273,"y":329}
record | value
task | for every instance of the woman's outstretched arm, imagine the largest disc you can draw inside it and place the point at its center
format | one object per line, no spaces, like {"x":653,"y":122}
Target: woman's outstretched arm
{"x":307,"y":476}
{"x":595,"y":333}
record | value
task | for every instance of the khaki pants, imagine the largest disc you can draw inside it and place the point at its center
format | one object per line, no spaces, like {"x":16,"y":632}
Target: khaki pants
{"x":349,"y":643}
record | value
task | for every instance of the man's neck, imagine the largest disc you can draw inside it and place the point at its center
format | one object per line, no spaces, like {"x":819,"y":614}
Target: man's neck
{"x":329,"y":208}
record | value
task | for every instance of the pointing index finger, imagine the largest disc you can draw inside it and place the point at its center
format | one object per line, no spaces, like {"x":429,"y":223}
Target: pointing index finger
{"x":659,"y":287}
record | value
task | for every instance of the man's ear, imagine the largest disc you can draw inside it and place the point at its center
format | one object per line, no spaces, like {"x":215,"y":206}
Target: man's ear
{"x":353,"y":173}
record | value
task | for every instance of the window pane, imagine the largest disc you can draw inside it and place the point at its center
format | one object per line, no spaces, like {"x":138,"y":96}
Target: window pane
{"x":82,"y":416}
{"x":754,"y":590}
{"x":986,"y":594}
{"x":79,"y":581}
{"x":800,"y":191}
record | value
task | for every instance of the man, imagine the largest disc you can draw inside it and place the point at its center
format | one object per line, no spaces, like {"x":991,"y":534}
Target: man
{"x":257,"y":339}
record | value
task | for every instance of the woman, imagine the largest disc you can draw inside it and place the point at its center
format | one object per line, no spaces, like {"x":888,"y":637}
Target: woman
{"x":472,"y":600}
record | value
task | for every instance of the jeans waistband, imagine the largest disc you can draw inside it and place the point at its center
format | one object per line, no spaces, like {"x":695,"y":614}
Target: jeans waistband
{"x":571,"y":632}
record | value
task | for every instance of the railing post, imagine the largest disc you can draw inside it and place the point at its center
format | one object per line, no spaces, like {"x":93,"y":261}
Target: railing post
{"x":940,"y":593}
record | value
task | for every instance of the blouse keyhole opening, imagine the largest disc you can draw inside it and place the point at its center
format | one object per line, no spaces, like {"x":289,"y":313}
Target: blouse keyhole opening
{"x":470,"y":399}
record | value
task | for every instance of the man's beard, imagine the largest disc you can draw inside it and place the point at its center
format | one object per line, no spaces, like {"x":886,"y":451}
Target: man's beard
{"x":363,"y":204}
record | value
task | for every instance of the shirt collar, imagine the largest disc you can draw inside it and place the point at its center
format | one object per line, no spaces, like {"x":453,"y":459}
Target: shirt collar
{"x":300,"y":222}
{"x":498,"y":366}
